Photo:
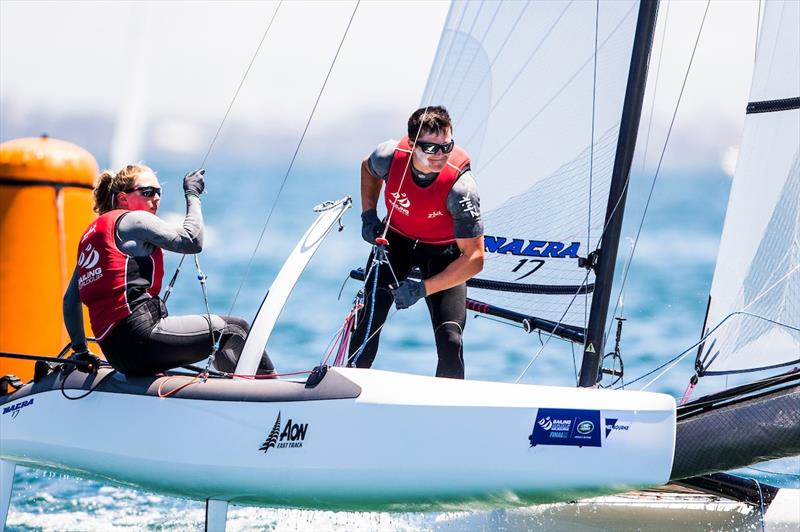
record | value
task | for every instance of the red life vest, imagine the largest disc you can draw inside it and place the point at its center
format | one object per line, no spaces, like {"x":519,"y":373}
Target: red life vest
{"x":420,"y":213}
{"x":110,"y":283}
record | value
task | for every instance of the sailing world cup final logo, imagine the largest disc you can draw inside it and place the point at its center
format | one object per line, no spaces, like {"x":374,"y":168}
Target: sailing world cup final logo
{"x":401,"y":202}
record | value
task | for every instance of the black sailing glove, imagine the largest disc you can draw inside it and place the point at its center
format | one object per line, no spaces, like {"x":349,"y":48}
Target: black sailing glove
{"x":193,"y":183}
{"x":371,"y":225}
{"x":91,"y":362}
{"x":408,"y":293}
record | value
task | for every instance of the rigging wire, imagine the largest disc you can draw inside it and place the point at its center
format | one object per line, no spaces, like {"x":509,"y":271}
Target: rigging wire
{"x":241,"y":84}
{"x":498,"y":320}
{"x":661,"y":157}
{"x":291,"y":163}
{"x":550,"y":334}
{"x":574,"y":364}
{"x":591,"y":163}
{"x":174,"y":278}
{"x":669,"y":364}
{"x":671,"y":124}
{"x":644,"y":155}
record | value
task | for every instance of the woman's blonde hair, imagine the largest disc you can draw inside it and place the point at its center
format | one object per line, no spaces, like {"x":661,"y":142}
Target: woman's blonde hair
{"x":109,"y":184}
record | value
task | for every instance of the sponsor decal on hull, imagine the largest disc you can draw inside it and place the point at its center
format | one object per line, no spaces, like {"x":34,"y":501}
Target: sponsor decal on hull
{"x":15,"y":409}
{"x":562,"y":426}
{"x":613,"y":424}
{"x":291,"y":436}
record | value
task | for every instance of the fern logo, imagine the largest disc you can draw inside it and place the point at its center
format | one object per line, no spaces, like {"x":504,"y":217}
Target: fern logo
{"x":291,"y":436}
{"x":272,"y":439}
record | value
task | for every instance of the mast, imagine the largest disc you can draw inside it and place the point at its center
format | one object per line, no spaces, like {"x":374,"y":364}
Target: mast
{"x":607,"y":252}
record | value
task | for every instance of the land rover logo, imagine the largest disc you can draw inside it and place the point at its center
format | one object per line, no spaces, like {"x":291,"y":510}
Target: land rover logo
{"x":585,"y":427}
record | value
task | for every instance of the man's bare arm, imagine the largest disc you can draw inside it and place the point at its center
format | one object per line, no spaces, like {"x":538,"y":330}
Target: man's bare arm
{"x":465,"y":267}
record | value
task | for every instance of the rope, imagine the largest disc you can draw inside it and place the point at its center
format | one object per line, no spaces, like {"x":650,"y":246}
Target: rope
{"x":271,"y":375}
{"x":199,"y":378}
{"x":162,"y":395}
{"x":378,"y":258}
{"x":214,"y":341}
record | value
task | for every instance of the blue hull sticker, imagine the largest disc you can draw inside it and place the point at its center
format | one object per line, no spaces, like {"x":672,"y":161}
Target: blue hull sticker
{"x":563,"y":426}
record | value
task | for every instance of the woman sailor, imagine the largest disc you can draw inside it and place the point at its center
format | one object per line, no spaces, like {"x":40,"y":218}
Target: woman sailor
{"x":119,"y":273}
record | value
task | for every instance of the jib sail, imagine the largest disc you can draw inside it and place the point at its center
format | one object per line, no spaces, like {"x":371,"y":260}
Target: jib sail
{"x":756,"y":288}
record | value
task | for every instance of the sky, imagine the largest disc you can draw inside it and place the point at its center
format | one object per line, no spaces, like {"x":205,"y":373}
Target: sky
{"x":172,"y":68}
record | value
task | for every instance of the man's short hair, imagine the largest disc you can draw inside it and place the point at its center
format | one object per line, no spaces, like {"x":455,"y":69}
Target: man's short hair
{"x":433,"y":119}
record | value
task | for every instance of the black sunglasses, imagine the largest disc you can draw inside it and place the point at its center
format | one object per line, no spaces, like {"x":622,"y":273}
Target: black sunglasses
{"x":147,"y":192}
{"x":431,"y":147}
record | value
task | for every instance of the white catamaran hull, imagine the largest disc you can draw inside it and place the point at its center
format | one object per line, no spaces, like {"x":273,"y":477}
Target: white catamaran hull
{"x":404,"y":442}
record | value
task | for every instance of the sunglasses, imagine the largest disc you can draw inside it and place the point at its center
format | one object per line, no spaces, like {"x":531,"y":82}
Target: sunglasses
{"x":431,"y":148}
{"x":147,"y":192}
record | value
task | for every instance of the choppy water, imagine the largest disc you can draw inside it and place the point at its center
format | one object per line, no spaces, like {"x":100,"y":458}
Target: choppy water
{"x":665,"y":302}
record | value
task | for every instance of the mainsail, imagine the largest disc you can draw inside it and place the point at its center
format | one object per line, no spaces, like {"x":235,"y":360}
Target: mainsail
{"x":756,"y":288}
{"x":539,"y":112}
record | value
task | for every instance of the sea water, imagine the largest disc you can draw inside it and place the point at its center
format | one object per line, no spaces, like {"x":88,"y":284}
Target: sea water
{"x":664,"y":303}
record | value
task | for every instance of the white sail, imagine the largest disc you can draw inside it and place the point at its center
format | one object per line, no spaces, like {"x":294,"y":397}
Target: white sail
{"x":758,"y":267}
{"x":518,"y":79}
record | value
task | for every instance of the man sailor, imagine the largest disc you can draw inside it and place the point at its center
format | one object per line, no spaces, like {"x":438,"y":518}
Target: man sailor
{"x":434,"y":223}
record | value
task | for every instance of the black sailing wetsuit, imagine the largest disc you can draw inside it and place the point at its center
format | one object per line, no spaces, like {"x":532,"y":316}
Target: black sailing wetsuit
{"x":149,"y":340}
{"x":447,"y":307}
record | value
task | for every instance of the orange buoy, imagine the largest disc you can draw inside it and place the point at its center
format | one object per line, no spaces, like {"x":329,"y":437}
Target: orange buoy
{"x":45,"y":205}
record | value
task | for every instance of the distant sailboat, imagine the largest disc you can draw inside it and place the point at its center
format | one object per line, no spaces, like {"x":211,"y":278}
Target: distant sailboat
{"x":130,"y":124}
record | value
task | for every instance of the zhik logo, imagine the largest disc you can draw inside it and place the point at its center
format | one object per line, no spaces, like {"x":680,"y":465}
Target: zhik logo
{"x":292,"y":436}
{"x":89,"y":231}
